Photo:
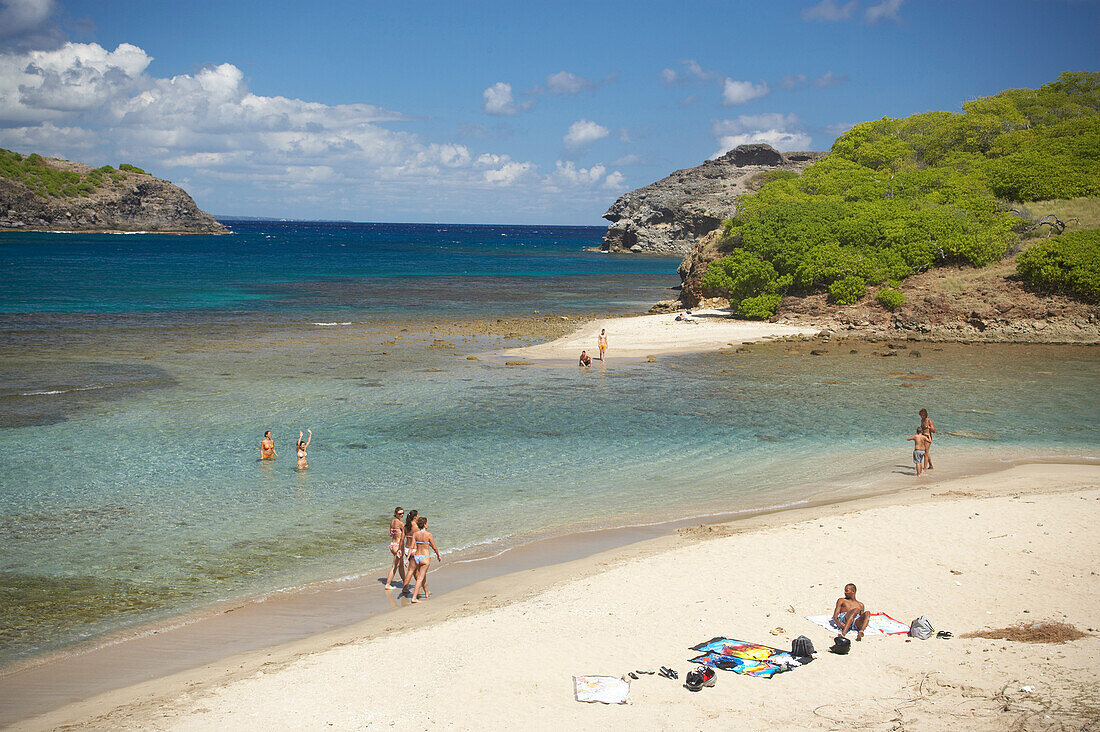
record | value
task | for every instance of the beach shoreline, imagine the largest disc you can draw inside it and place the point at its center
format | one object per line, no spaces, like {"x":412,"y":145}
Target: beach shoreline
{"x":500,"y":591}
{"x":635,"y":338}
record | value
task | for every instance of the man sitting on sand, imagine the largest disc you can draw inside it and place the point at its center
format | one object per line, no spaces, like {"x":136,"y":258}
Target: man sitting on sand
{"x":920,"y":441}
{"x":586,"y":360}
{"x":850,"y":612}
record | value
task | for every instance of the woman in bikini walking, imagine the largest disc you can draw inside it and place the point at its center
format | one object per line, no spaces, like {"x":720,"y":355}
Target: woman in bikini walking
{"x":423,"y":539}
{"x":409,"y":574}
{"x":397,"y":543}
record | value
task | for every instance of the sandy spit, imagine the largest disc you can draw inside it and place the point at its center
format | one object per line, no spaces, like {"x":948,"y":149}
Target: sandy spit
{"x":989,"y":551}
{"x":650,"y":335}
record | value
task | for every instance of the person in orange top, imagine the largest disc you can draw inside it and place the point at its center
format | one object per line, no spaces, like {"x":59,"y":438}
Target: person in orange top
{"x":267,"y":447}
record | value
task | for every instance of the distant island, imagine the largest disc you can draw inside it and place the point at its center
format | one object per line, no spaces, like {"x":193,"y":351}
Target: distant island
{"x":983,"y":225}
{"x":50,"y":194}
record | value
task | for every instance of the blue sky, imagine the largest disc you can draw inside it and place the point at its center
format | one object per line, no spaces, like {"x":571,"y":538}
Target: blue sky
{"x":491,"y":112}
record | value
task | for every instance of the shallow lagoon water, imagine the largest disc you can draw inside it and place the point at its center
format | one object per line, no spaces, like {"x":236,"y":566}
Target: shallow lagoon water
{"x":148,"y":499}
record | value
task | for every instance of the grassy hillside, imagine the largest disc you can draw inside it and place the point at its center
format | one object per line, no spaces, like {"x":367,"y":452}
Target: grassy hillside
{"x":896,"y":197}
{"x":45,"y":179}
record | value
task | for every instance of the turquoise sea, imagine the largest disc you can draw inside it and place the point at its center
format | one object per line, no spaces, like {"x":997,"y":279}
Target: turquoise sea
{"x":138,"y":374}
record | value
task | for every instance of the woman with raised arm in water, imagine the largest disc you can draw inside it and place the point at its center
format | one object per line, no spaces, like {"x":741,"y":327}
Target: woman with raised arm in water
{"x":423,"y":539}
{"x":302,"y":464}
{"x":929,"y":429}
{"x":397,"y":547}
{"x":409,"y":575}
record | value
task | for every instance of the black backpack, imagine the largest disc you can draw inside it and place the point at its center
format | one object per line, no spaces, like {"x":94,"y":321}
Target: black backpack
{"x":802,"y":647}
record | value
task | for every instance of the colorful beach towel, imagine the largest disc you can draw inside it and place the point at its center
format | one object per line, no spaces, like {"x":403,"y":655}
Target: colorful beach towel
{"x":880,"y":624}
{"x":749,"y":659}
{"x":603,"y":689}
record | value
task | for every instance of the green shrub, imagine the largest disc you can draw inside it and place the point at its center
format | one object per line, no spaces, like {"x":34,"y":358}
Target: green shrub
{"x":131,"y":168}
{"x":760,"y":307}
{"x":891,"y":298}
{"x":847,"y":290}
{"x":899,"y":196}
{"x":1068,"y":263}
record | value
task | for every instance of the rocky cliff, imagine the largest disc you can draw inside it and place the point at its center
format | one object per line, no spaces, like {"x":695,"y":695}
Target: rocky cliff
{"x":50,"y":194}
{"x":669,"y":216}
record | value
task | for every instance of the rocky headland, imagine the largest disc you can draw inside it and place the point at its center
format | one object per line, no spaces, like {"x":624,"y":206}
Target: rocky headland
{"x":51,"y":194}
{"x":669,"y":216}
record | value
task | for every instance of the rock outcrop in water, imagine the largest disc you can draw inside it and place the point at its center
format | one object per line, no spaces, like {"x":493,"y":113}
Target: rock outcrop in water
{"x":50,"y":194}
{"x":669,"y":216}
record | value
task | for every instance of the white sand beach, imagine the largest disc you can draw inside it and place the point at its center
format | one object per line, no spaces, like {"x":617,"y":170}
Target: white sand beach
{"x":989,"y":551}
{"x":646,"y":335}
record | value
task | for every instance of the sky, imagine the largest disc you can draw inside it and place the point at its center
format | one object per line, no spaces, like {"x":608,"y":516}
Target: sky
{"x":490,"y":112}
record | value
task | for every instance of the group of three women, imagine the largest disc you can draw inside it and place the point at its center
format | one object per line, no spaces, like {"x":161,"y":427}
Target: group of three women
{"x":409,"y":543}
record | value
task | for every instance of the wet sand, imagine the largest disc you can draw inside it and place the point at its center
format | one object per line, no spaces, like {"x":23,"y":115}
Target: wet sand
{"x":583,"y":612}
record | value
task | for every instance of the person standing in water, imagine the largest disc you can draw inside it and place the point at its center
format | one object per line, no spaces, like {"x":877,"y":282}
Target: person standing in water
{"x":928,"y":428}
{"x":423,"y":539}
{"x":267,"y":447}
{"x":302,"y":464}
{"x":602,"y":342}
{"x":397,"y":547}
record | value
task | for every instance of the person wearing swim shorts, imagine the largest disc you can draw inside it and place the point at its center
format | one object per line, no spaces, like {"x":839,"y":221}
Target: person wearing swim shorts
{"x":850,"y":612}
{"x":423,"y":539}
{"x":929,"y":428}
{"x":602,"y":342}
{"x":586,"y":360}
{"x":397,"y":543}
{"x":267,"y":447}
{"x":920,"y":441}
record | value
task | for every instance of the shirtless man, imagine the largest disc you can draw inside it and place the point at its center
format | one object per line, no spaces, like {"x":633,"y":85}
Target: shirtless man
{"x":586,"y":360}
{"x":920,"y":441}
{"x":850,"y":612}
{"x":602,"y":342}
{"x":267,"y":447}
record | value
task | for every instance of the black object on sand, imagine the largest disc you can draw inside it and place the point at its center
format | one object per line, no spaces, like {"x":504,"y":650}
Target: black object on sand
{"x":841,"y":646}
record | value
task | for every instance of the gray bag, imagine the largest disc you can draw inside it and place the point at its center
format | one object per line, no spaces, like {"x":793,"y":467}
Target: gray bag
{"x":921,"y":629}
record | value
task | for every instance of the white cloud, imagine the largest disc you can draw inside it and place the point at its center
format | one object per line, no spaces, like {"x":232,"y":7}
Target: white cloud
{"x":630,"y":159}
{"x":584,"y":132}
{"x":567,"y":172}
{"x":27,"y":24}
{"x":885,"y":10}
{"x":565,"y":82}
{"x":498,"y":100}
{"x":783,"y":132}
{"x":615,"y":181}
{"x":830,"y":79}
{"x":838,"y":129}
{"x":829,"y":10}
{"x":692,"y":68}
{"x":668,"y":76}
{"x":790,"y":82}
{"x":739,"y":92}
{"x":508,"y":173}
